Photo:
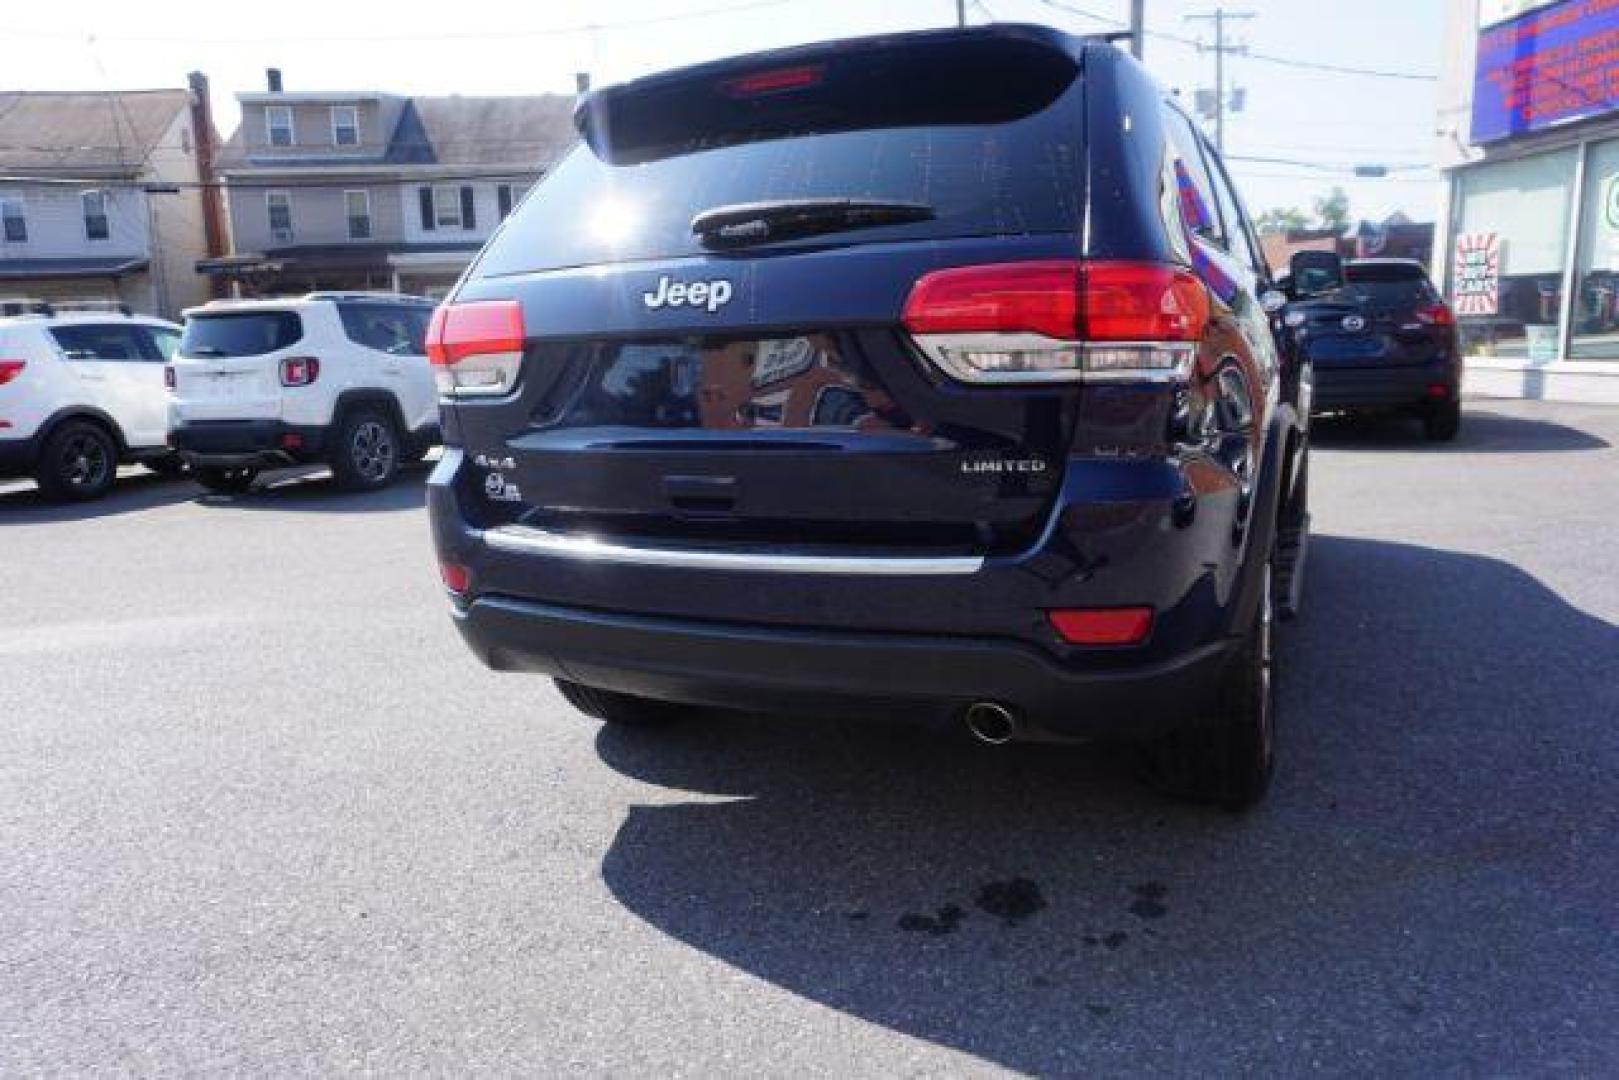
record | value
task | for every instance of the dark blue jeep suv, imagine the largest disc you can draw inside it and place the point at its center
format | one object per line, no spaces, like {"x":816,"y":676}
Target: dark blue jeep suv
{"x":929,"y":374}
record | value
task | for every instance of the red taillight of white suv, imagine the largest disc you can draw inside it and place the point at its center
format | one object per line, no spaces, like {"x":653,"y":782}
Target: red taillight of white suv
{"x":1060,"y":321}
{"x":476,"y":348}
{"x":10,"y":369}
{"x":299,"y":370}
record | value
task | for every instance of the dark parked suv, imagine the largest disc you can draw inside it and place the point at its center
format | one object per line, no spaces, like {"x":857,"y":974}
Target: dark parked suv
{"x":1378,"y":336}
{"x":928,"y":374}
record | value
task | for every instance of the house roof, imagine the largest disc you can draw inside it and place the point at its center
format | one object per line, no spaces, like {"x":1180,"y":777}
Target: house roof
{"x":84,"y":131}
{"x":484,"y":130}
{"x":521,"y":133}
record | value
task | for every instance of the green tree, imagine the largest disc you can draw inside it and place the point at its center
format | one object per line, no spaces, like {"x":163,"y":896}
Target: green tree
{"x":1281,"y":220}
{"x":1332,"y":211}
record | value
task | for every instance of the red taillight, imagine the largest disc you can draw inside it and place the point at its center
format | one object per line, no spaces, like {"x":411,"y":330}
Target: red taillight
{"x":1095,"y":301}
{"x":168,"y":376}
{"x":299,"y":370}
{"x":1143,"y":302}
{"x":774,"y":81}
{"x":456,"y":578}
{"x":1059,"y":320}
{"x":1437,"y":315}
{"x":477,"y":347}
{"x":10,"y":369}
{"x":1032,"y":297}
{"x":1103,"y":626}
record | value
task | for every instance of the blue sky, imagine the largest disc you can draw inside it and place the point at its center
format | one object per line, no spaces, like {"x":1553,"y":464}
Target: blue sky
{"x":500,"y":48}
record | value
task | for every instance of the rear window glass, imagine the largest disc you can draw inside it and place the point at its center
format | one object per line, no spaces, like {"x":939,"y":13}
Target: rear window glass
{"x":982,"y":132}
{"x":391,"y":328}
{"x":1387,"y":286}
{"x":121,"y":341}
{"x":246,"y":333}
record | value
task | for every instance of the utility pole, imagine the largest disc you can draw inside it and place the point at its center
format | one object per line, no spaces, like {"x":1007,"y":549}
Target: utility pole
{"x":961,"y":12}
{"x":1219,"y":17}
{"x":1138,"y":29}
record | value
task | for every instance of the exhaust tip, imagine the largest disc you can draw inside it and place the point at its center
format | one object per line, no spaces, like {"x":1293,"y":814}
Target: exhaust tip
{"x":991,"y":723}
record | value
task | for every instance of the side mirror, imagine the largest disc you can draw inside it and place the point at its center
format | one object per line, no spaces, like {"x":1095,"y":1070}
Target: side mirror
{"x":1272,"y":300}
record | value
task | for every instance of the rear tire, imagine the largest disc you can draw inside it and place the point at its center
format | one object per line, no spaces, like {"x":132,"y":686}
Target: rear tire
{"x":78,"y":462}
{"x":367,"y":451}
{"x":622,"y":710}
{"x":1228,"y":759}
{"x":1442,"y":423}
{"x":225,"y":481}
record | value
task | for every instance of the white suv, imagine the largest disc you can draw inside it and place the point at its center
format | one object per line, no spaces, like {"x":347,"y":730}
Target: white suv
{"x":339,"y":378}
{"x":81,"y":390}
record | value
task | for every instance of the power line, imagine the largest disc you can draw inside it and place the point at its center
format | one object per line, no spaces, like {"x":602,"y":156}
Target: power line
{"x":361,"y":39}
{"x":1266,"y":58}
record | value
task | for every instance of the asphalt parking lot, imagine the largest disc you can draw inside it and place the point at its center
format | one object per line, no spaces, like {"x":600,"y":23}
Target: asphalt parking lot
{"x":261,"y":812}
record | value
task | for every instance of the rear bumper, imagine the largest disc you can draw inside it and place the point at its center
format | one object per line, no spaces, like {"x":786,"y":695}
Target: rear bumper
{"x":1364,"y":386}
{"x":802,"y":636}
{"x":263,"y":444}
{"x":829,"y":672}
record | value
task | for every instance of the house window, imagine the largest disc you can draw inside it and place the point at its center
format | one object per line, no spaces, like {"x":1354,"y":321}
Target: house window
{"x":278,"y":122}
{"x":279,"y":204}
{"x":357,"y":205}
{"x":345,"y":125}
{"x":503,"y":200}
{"x":15,"y":222}
{"x":446,"y":207}
{"x":95,"y":215}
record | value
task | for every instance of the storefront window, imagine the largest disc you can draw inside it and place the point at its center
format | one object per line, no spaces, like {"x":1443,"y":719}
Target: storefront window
{"x":1596,"y":283}
{"x":1524,"y":206}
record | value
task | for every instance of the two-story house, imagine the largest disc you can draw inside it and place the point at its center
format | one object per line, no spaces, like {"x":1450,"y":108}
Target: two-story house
{"x":370,"y":190}
{"x":105,"y":195}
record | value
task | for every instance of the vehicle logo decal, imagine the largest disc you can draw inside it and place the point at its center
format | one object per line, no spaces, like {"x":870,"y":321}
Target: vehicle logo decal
{"x":710,"y":295}
{"x":1354,"y":323}
{"x":498,"y":489}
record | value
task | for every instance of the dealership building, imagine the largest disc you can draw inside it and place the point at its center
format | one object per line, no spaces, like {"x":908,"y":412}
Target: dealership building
{"x":1528,"y":238}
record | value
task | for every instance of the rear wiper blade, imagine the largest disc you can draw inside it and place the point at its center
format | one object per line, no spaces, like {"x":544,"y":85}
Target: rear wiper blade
{"x":205,"y":350}
{"x":759,"y":222}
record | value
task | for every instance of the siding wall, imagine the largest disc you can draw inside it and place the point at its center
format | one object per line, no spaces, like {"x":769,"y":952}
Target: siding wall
{"x":56,"y":223}
{"x":319,"y":214}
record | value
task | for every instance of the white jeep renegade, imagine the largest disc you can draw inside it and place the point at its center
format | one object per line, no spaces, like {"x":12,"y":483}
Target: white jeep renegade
{"x":81,"y":390}
{"x":338,"y":378}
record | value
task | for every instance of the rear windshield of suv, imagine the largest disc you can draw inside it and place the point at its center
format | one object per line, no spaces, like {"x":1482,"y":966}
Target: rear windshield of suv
{"x":242,"y":333}
{"x":985,"y":133}
{"x":1387,"y":286}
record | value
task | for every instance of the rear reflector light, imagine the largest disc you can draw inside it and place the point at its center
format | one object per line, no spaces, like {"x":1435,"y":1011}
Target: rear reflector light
{"x":456,"y":577}
{"x":1059,"y":321}
{"x":1439,"y":391}
{"x":299,"y":370}
{"x":1437,"y":315}
{"x":1103,"y":626}
{"x":476,"y":349}
{"x":775,"y":81}
{"x":10,"y":369}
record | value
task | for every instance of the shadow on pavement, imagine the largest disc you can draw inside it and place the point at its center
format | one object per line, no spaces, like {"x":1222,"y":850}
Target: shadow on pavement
{"x":1431,"y":884}
{"x":139,"y":490}
{"x":1483,"y":432}
{"x":312,"y":490}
